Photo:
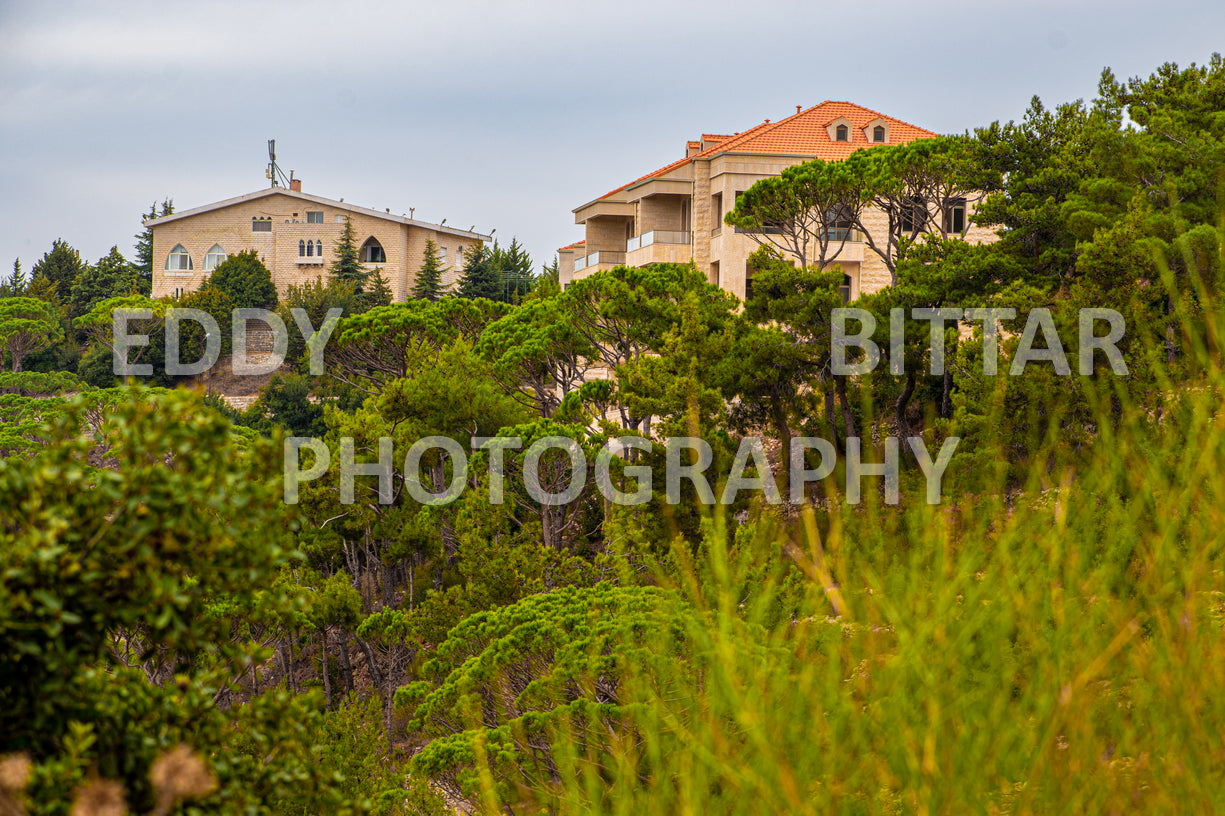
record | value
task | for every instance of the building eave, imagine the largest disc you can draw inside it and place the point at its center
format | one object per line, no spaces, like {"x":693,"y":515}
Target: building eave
{"x":314,"y":199}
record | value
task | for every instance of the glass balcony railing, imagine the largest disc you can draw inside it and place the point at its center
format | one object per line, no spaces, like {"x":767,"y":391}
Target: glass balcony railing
{"x":836,"y":235}
{"x":658,"y":237}
{"x":601,"y":257}
{"x":843,"y":234}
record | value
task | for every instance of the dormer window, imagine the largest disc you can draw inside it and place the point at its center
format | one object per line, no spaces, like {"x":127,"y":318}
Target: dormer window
{"x":842,"y":133}
{"x":876,"y":131}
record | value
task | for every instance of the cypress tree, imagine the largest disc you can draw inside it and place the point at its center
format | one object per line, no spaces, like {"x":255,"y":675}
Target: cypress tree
{"x":514,"y":268}
{"x":379,"y":293}
{"x":144,"y":246}
{"x":347,"y":266}
{"x":480,"y":279}
{"x":428,"y":284}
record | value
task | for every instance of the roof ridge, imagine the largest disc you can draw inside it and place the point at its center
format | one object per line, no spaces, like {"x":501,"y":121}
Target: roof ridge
{"x":729,"y":143}
{"x":876,"y":113}
{"x":313,"y":198}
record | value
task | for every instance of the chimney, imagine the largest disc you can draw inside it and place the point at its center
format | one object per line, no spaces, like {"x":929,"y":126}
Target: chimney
{"x":295,"y":185}
{"x":692,"y":148}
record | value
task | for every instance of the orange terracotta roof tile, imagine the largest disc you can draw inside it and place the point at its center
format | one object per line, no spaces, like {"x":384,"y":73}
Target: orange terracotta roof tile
{"x":801,"y":134}
{"x":661,"y":171}
{"x":575,"y":245}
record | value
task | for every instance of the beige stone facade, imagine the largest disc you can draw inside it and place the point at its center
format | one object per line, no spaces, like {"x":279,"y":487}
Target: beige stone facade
{"x":676,"y":213}
{"x":295,"y":234}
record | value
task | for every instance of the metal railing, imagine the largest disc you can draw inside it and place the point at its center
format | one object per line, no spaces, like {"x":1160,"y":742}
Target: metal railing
{"x":659,"y":237}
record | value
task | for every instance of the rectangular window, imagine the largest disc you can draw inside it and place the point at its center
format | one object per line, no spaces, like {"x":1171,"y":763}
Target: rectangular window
{"x":714,"y":273}
{"x":748,"y":281}
{"x":261,"y":225}
{"x":314,"y":217}
{"x":716,"y":212}
{"x":913,"y":215}
{"x":955,"y":215}
{"x":442,"y":255}
{"x":340,"y":219}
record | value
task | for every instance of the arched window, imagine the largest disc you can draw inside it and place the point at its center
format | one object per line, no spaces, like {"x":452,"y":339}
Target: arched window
{"x":301,"y":249}
{"x":310,"y":249}
{"x":319,"y":248}
{"x":841,"y":134}
{"x":214,"y":258}
{"x":178,"y":259}
{"x":878,"y":133}
{"x":372,"y":251}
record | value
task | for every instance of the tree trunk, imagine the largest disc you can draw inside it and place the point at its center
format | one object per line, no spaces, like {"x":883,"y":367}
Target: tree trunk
{"x":848,"y":418}
{"x":450,"y":543}
{"x":783,"y":429}
{"x":830,"y":418}
{"x":346,"y":667}
{"x":946,"y":397}
{"x":903,"y":400}
{"x":327,"y":675}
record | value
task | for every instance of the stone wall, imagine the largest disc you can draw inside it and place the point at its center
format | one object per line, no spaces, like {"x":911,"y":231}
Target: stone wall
{"x":231,"y":228}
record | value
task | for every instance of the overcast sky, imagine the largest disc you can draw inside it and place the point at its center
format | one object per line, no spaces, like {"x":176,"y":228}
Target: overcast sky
{"x":495,"y":114}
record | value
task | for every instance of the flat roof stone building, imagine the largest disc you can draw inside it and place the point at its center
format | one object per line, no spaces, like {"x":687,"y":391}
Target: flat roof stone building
{"x":295,"y":234}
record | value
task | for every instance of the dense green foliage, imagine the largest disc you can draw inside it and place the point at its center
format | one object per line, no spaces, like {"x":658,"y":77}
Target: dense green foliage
{"x":1047,"y":638}
{"x":245,"y":280}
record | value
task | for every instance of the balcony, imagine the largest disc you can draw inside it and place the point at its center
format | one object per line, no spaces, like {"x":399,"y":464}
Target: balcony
{"x":310,"y":260}
{"x":659,"y":246}
{"x":836,"y":235}
{"x":658,"y":237}
{"x":604,"y":258}
{"x":851,"y":236}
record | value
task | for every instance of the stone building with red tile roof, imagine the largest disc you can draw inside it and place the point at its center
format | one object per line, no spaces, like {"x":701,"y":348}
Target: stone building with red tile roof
{"x":675,"y":214}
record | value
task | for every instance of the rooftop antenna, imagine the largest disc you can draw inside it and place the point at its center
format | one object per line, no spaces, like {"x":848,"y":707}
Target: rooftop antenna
{"x":273,"y":173}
